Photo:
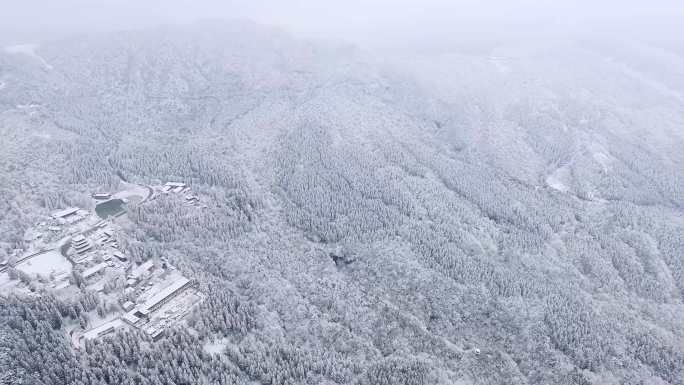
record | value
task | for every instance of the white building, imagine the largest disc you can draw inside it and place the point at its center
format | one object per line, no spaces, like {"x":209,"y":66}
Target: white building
{"x":142,"y":270}
{"x":63,"y":214}
{"x":156,"y":334}
{"x":175,"y":184}
{"x":165,"y":294}
{"x":80,"y":244}
{"x":192,"y":199}
{"x":90,"y":272}
{"x":131,"y":318}
{"x":175,"y":187}
{"x":120,"y":256}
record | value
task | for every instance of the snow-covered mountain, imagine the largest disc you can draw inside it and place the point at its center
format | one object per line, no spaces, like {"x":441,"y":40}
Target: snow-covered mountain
{"x":504,"y":217}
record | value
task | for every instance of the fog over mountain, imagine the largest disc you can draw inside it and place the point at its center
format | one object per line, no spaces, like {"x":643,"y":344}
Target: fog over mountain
{"x":305,"y":202}
{"x":378,"y":23}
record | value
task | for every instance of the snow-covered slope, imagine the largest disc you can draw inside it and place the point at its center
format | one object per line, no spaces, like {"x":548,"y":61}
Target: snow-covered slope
{"x":505,"y":219}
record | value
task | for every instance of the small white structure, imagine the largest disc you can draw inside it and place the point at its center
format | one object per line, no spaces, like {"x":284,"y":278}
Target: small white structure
{"x":175,"y":184}
{"x":137,"y":316}
{"x":128,"y":305}
{"x":102,"y":196}
{"x":63,"y":276}
{"x":88,"y":273}
{"x":63,"y":214}
{"x":80,"y":244}
{"x":142,"y":270}
{"x":156,"y":334}
{"x":175,"y":187}
{"x":142,"y":313}
{"x":103,"y":330}
{"x":120,"y":256}
{"x":32,"y":235}
{"x":130,"y":318}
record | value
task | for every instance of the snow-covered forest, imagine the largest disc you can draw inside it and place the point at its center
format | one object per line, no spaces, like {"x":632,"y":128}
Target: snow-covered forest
{"x":514,"y":216}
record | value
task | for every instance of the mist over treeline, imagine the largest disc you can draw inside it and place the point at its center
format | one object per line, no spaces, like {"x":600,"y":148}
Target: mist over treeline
{"x":399,"y":24}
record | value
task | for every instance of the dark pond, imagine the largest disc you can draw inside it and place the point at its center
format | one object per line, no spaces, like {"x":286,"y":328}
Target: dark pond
{"x":109,"y":208}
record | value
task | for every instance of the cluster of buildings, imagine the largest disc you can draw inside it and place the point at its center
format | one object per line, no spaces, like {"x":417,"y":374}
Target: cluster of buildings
{"x":49,"y":232}
{"x":79,"y":243}
{"x":140,"y":290}
{"x":152,"y":295}
{"x":146,"y":315}
{"x":45,"y":249}
{"x":155,"y":296}
{"x":95,"y":244}
{"x":180,"y":188}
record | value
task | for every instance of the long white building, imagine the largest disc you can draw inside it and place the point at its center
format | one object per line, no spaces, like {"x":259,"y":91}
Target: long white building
{"x":64,"y":213}
{"x":157,"y":300}
{"x":87,"y":273}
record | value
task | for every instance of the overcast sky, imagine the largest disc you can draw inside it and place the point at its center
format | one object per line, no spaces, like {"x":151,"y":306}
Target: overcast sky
{"x":360,"y":21}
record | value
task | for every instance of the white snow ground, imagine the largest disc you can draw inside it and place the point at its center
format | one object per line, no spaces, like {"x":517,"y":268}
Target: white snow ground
{"x":44,"y":264}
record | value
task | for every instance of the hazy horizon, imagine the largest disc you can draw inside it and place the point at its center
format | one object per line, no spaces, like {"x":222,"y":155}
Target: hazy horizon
{"x":371,"y":23}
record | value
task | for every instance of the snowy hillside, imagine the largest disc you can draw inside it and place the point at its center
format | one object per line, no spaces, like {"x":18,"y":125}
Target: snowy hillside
{"x":509,"y":217}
